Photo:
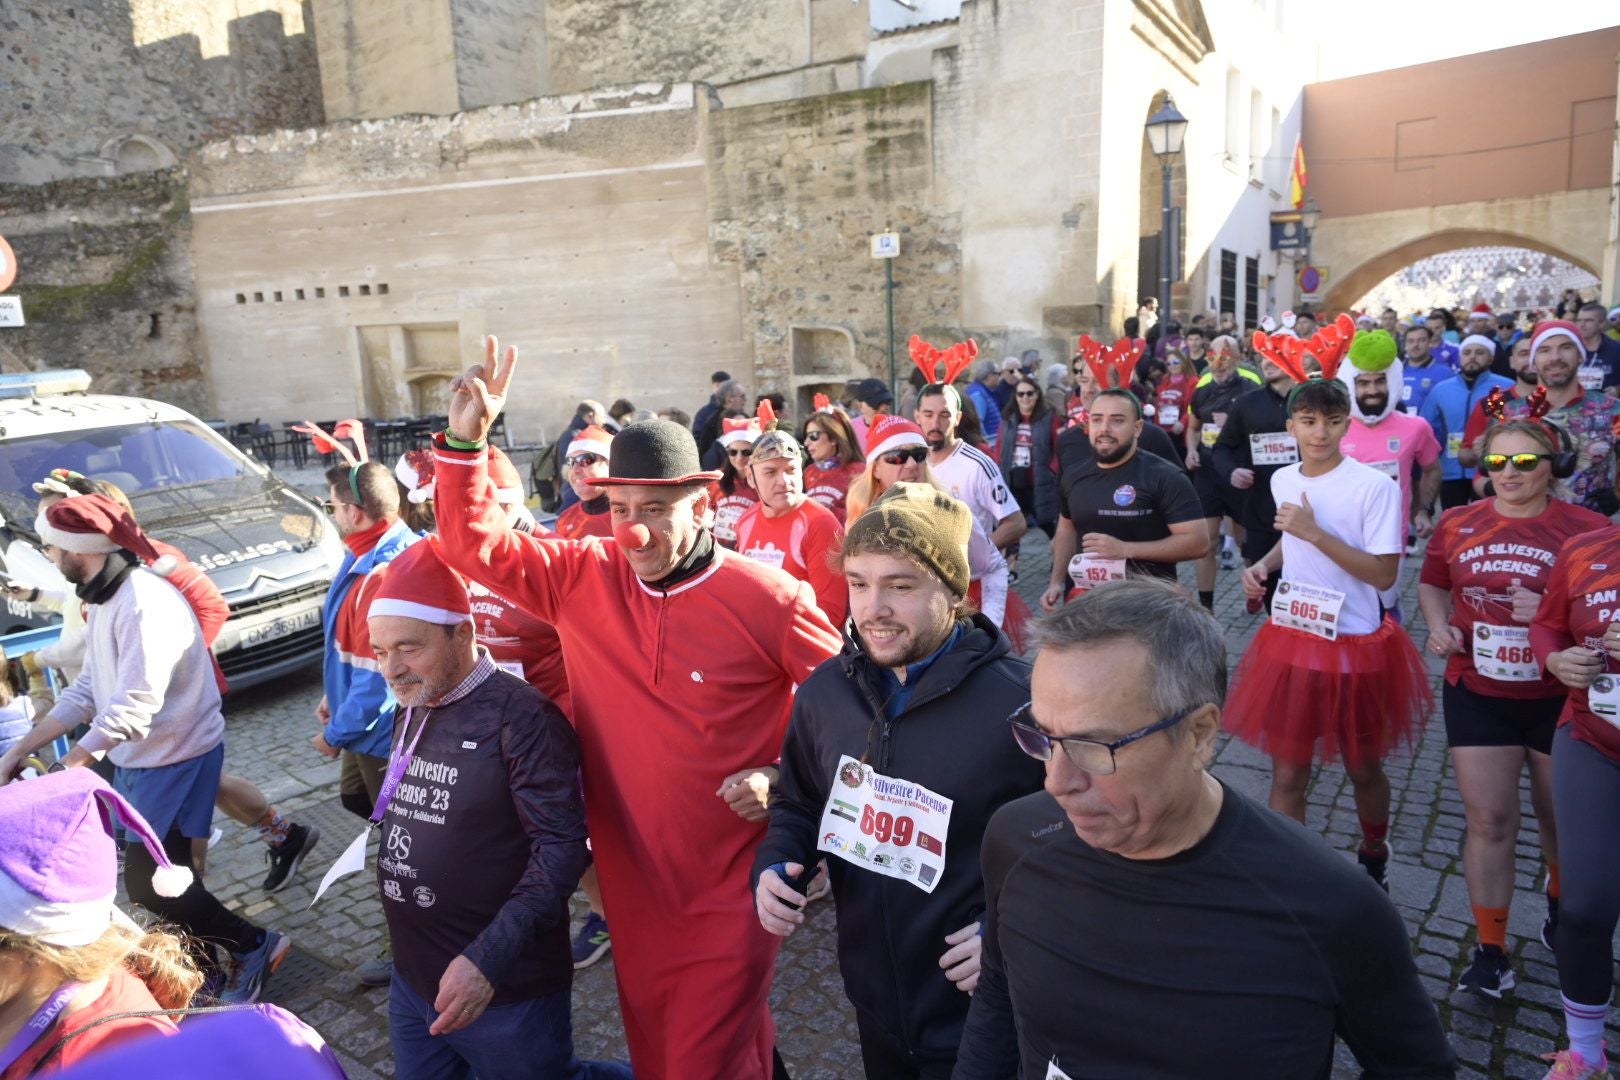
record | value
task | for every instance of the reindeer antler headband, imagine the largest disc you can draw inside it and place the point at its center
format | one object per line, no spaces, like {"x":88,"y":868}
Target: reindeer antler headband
{"x":1113,"y":366}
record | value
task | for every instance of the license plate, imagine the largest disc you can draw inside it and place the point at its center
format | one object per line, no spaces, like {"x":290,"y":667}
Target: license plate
{"x":280,"y":627}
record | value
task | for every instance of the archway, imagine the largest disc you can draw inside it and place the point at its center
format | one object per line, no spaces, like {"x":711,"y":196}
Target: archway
{"x":1348,"y":289}
{"x":1514,"y":279}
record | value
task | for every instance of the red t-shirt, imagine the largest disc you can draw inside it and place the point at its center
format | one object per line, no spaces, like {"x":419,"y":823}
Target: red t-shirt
{"x":575,"y":523}
{"x":1170,"y":404}
{"x":1582,"y":599}
{"x":1479,"y":420}
{"x":1478,"y":555}
{"x":728,"y":509}
{"x":124,"y":993}
{"x":803,"y":543}
{"x":520,"y":643}
{"x":830,"y":487}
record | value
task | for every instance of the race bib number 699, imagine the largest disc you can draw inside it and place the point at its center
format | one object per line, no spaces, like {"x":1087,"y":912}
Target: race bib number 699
{"x":886,"y":825}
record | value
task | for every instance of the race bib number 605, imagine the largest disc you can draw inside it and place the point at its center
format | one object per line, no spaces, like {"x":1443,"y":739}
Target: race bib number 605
{"x":888,"y":826}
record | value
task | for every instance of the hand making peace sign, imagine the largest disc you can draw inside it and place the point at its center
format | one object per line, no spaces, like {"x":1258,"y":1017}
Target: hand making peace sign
{"x":477,"y":397}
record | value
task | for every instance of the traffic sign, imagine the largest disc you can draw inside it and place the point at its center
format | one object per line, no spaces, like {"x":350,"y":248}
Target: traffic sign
{"x":8,"y":265}
{"x":885,"y":245}
{"x":11,"y":313}
{"x":1311,"y":279}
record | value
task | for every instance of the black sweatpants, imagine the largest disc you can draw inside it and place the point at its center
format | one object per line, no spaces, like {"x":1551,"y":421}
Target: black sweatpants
{"x":1586,"y":804}
{"x":196,"y":911}
{"x":883,"y":1055}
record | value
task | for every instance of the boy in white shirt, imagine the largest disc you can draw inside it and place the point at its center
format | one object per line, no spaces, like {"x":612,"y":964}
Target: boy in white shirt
{"x":1330,"y":675}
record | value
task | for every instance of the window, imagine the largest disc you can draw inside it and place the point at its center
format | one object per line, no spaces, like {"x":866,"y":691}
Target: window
{"x":1229,"y":280}
{"x":343,"y":290}
{"x":1257,"y":137}
{"x":1251,"y":292}
{"x":1274,"y":155}
{"x":1234,"y":115}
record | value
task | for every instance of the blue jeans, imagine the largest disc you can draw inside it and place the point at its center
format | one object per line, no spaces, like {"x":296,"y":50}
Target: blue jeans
{"x":526,"y":1040}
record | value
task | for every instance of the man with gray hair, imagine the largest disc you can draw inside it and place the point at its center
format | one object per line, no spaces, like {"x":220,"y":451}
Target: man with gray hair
{"x":1138,"y":891}
{"x":983,"y":379}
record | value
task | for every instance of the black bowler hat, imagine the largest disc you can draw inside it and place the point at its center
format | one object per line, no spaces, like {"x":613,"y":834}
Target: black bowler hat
{"x":657,"y":452}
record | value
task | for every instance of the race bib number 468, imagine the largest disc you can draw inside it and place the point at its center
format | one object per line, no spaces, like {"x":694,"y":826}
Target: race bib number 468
{"x":888,"y":826}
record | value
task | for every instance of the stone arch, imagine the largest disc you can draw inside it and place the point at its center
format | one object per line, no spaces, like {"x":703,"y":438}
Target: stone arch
{"x":137,"y":153}
{"x":1348,"y":288}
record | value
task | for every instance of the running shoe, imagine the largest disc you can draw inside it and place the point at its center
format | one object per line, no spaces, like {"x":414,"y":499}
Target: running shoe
{"x":246,"y":973}
{"x":286,"y":857}
{"x":1569,"y":1065}
{"x":1489,"y":974}
{"x":1376,"y":865}
{"x":1228,"y":559}
{"x":591,"y":942}
{"x":1549,"y":925}
{"x":378,"y":971}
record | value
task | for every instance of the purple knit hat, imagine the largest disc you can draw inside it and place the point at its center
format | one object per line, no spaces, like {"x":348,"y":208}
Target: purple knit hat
{"x":58,"y":864}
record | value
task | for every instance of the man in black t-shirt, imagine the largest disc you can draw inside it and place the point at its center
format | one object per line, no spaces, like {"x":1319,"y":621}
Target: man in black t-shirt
{"x":1123,"y":512}
{"x":1207,"y":413}
{"x":1253,"y":444}
{"x":1144,"y":919}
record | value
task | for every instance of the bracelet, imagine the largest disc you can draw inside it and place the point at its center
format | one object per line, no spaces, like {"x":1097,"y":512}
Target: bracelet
{"x":459,"y":444}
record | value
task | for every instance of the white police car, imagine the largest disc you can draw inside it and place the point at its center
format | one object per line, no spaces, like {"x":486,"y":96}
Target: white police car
{"x":270,"y":550}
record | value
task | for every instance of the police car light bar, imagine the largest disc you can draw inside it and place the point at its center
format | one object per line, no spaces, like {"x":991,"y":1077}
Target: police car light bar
{"x":34,"y":384}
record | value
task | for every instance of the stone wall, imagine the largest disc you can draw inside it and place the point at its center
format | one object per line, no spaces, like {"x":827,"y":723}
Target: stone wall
{"x":106,"y":284}
{"x":798,"y":188}
{"x":79,"y":77}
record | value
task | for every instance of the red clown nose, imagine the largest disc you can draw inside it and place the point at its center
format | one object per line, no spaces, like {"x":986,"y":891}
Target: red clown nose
{"x":632,"y":535}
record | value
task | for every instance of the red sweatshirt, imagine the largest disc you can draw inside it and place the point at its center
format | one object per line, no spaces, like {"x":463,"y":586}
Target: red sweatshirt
{"x":803,"y":542}
{"x":672,"y":693}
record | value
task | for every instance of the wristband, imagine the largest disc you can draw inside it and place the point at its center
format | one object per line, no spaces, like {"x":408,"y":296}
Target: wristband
{"x":457,"y":444}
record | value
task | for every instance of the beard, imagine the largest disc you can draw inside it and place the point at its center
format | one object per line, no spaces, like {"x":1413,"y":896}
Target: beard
{"x":417,"y":691}
{"x":935,"y":439}
{"x":1529,"y":376}
{"x":1118,"y":453}
{"x":1373,"y":406}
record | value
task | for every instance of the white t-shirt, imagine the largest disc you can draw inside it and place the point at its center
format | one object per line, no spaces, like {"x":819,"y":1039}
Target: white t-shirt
{"x":972,"y":476}
{"x":1359,"y":505}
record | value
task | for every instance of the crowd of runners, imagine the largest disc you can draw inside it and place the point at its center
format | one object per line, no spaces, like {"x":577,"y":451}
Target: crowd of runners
{"x":754,"y":665}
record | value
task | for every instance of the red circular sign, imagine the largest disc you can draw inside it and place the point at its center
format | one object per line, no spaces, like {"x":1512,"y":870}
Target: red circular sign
{"x":1310,"y":279}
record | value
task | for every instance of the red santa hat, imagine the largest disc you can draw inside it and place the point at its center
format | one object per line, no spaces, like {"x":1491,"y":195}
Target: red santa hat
{"x":590,"y":440}
{"x":414,"y":471}
{"x":1554,"y":328}
{"x":418,"y":585}
{"x":1482,"y":311}
{"x":508,"y":481}
{"x":737,"y":430}
{"x":95,"y":525}
{"x":892,"y":433}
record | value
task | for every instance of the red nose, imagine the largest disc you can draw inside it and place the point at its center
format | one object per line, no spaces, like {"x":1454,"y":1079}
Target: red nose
{"x":632,"y":535}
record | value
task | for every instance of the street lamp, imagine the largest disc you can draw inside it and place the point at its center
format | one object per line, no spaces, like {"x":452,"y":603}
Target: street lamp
{"x":1165,"y":131}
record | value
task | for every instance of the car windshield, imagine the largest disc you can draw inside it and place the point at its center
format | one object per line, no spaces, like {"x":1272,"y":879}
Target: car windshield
{"x":141,"y":459}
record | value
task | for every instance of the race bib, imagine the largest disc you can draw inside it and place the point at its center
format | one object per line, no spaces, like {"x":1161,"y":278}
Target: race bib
{"x":1089,"y":571}
{"x":1169,"y":414}
{"x":1021,"y":457}
{"x":1391,"y":469}
{"x":1503,"y":653}
{"x":1591,"y":378}
{"x":1209,"y":433}
{"x":1453,"y":445}
{"x":1310,"y":608}
{"x":1273,"y":448}
{"x":1055,"y":1073}
{"x":770,"y":555}
{"x":1603,"y":698}
{"x":890,"y":827}
{"x":511,"y":665}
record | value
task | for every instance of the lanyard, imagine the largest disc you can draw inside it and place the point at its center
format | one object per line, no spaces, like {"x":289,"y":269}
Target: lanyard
{"x":38,"y":1024}
{"x":398,"y":763}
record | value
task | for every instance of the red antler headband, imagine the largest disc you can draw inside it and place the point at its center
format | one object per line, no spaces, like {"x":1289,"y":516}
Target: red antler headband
{"x":954,"y":359}
{"x":329,"y":444}
{"x":1113,"y":366}
{"x":1328,"y":345}
{"x":1495,"y":404}
{"x":822,"y":403}
{"x":766,"y":414}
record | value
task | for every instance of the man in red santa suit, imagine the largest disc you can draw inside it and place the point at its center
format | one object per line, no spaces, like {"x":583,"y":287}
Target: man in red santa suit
{"x":585,"y":461}
{"x":682,"y":658}
{"x":789,"y":530}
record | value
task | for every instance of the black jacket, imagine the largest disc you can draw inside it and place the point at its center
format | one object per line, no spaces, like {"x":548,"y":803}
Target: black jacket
{"x":1043,"y":463}
{"x":953,"y":739}
{"x":1261,"y":411}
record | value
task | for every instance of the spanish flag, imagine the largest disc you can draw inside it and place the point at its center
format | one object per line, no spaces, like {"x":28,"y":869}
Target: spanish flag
{"x":1297,"y":179}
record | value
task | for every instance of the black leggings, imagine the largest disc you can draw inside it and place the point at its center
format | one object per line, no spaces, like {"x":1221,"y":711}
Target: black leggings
{"x":196,"y":911}
{"x":1586,"y":804}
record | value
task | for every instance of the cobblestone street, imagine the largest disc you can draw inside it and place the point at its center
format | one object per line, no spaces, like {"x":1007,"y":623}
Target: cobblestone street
{"x":268,"y":740}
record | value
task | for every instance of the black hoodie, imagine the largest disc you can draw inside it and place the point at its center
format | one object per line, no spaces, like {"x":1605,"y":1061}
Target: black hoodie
{"x":952,"y":738}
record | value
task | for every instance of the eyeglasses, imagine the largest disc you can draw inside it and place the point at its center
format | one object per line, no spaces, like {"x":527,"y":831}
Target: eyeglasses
{"x":1172,"y":363}
{"x":583,"y":460}
{"x":1027,"y":393}
{"x":330,"y":506}
{"x":815,"y":436}
{"x":747,"y":451}
{"x":1521,"y":462}
{"x":1088,"y":755}
{"x":900,"y":457}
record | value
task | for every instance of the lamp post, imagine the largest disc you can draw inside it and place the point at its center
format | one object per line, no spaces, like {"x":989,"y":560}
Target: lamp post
{"x":1309,"y":215}
{"x":1165,"y":131}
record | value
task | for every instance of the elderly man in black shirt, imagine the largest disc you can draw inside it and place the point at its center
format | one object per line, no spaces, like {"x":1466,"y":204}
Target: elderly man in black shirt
{"x":1123,"y":511}
{"x":1145,"y":920}
{"x":483,"y":831}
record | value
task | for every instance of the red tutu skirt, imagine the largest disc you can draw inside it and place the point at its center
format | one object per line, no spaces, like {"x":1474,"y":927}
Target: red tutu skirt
{"x":1299,"y":697}
{"x":1015,"y":622}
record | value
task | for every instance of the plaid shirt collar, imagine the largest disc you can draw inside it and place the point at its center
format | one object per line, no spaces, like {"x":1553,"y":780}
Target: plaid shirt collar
{"x":482,"y":669}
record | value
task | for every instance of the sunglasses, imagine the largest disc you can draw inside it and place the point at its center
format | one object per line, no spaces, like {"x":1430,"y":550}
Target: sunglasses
{"x":330,"y":507}
{"x":747,"y":452}
{"x":1521,"y":462}
{"x":583,"y":460}
{"x":815,"y":436}
{"x":1027,"y":393}
{"x":900,"y":457}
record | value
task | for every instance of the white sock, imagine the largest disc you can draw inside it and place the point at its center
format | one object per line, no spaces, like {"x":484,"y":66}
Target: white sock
{"x":1584,"y":1023}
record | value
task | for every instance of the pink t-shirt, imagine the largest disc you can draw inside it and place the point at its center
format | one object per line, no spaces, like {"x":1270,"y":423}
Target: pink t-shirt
{"x":1391,"y":446}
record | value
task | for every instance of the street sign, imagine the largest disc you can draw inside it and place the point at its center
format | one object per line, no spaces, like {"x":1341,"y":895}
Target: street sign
{"x":8,"y":265}
{"x":885,"y":245}
{"x":1287,"y":232}
{"x":11,"y":311}
{"x":1311,"y":280}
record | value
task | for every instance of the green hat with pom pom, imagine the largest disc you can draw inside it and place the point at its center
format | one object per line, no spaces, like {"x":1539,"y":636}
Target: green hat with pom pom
{"x":1373,"y":350}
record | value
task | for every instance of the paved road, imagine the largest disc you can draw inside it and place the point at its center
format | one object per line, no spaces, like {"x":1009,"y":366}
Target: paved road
{"x":267,"y":740}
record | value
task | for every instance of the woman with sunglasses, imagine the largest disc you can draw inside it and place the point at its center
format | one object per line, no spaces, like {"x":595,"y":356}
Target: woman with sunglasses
{"x":835,"y":458}
{"x":735,"y":490}
{"x":1482,"y":580}
{"x":586,"y":460}
{"x":1028,"y":456}
{"x":1174,"y":393}
{"x":1576,"y":634}
{"x":897,"y":452}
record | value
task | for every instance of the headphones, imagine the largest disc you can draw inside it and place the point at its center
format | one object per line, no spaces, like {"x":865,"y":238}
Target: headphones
{"x":1563,"y":462}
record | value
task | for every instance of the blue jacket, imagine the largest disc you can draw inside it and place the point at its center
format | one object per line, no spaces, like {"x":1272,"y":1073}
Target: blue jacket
{"x":1447,"y":407}
{"x":356,"y":692}
{"x":989,"y":411}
